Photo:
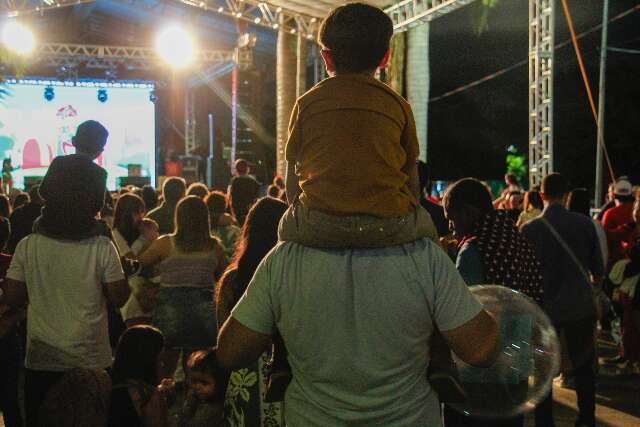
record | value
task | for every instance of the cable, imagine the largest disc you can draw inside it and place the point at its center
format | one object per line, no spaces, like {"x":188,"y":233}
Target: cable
{"x":585,"y":79}
{"x":526,"y":61}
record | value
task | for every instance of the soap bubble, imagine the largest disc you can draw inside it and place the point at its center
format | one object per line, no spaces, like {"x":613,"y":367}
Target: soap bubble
{"x":529,"y":358}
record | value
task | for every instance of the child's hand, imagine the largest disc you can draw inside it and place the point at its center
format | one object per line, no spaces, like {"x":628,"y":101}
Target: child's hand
{"x":149,"y":232}
{"x":167,"y":389}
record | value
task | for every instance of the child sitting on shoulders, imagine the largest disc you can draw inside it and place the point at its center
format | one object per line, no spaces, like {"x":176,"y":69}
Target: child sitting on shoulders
{"x":351,"y":155}
{"x":207,"y":382}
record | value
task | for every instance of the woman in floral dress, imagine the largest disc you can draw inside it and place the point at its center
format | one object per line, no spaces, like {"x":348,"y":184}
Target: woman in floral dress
{"x":245,"y":405}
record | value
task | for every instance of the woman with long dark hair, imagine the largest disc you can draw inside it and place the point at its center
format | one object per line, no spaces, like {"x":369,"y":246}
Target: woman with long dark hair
{"x":130,"y":237}
{"x":259,"y":236}
{"x":189,"y":261}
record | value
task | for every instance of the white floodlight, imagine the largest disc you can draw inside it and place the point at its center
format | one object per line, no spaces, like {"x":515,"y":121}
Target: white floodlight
{"x":175,"y":46}
{"x":18,"y":38}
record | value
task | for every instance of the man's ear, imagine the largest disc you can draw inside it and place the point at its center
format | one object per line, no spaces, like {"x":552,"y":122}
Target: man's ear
{"x":328,"y":61}
{"x":385,"y":59}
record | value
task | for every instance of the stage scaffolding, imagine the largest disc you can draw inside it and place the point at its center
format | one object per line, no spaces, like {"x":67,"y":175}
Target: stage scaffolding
{"x":302,"y":18}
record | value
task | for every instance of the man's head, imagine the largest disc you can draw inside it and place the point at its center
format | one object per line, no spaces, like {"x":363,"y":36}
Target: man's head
{"x":90,"y":138}
{"x":465,"y":202}
{"x":34,"y":195}
{"x":511,"y":179}
{"x":174,"y":189}
{"x":241,"y":166}
{"x":623,"y":191}
{"x":355,"y":39}
{"x":514,"y":200}
{"x":5,"y":232}
{"x":554,"y":189}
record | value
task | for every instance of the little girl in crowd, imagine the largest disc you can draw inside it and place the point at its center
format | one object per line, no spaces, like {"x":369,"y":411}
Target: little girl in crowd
{"x":207,"y":382}
{"x":139,"y":397}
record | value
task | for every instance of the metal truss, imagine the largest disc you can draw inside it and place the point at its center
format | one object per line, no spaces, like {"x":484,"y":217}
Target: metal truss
{"x":190,"y":143}
{"x":14,"y":8}
{"x":262,"y":13}
{"x":94,"y":56}
{"x":541,"y":39}
{"x":408,"y":13}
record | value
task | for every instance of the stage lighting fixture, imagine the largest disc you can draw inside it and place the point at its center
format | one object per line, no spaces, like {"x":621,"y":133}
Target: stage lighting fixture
{"x":49,"y":94}
{"x":18,"y":38}
{"x":175,"y":46}
{"x":102,"y":95}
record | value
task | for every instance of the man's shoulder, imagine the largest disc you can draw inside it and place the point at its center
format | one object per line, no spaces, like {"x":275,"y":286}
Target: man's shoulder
{"x":156,"y":212}
{"x":77,"y":161}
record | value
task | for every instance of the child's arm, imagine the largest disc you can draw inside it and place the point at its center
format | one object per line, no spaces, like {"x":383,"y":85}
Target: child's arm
{"x":292,"y":183}
{"x":409,"y":142}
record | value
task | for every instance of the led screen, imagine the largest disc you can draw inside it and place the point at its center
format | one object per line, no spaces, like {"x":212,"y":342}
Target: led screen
{"x":34,"y":130}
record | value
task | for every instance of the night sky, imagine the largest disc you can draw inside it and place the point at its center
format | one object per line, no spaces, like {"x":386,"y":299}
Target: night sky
{"x":469,"y":131}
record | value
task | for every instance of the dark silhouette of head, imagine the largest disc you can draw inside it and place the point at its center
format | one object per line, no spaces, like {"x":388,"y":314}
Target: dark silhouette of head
{"x":90,"y":138}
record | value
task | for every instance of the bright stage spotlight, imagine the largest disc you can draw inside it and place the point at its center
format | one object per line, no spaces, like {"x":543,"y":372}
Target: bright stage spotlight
{"x":175,"y":46}
{"x":18,"y":38}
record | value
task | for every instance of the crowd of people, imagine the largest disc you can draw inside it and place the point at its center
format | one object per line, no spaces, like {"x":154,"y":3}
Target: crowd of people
{"x":333,"y":297}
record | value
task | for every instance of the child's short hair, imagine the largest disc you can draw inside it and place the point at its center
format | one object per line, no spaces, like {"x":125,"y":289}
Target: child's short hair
{"x":206,"y":361}
{"x":357,"y":37}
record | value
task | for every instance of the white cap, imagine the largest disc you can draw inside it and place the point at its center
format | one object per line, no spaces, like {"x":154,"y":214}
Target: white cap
{"x":623,"y":187}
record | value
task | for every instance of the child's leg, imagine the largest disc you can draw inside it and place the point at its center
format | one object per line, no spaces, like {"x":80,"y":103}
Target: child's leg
{"x":318,"y":229}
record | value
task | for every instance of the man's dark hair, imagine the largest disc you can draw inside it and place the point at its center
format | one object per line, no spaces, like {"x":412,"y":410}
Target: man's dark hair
{"x":468,"y":193}
{"x":34,"y":194}
{"x":90,"y":137}
{"x":241,"y":166}
{"x":174,"y":189}
{"x":579,"y":201}
{"x":356,"y":36}
{"x":554,"y":186}
{"x":150,"y":197}
{"x":5,"y":233}
{"x":198,"y":189}
{"x":513,"y":179}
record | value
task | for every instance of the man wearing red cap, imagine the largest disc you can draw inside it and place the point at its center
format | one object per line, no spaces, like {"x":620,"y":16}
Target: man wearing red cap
{"x":616,"y":220}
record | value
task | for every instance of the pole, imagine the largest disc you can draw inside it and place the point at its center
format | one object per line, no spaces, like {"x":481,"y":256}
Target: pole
{"x":601,"y":99}
{"x":234,"y":115}
{"x":211,"y":153}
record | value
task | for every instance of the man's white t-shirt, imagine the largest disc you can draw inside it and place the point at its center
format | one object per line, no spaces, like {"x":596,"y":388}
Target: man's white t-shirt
{"x":357,"y":324}
{"x":67,"y":323}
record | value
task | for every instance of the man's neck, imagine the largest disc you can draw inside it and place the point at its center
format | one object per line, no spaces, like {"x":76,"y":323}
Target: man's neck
{"x":554,"y":202}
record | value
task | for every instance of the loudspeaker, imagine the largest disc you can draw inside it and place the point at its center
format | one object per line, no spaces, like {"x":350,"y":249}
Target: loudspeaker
{"x":138,"y":181}
{"x":190,"y":168}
